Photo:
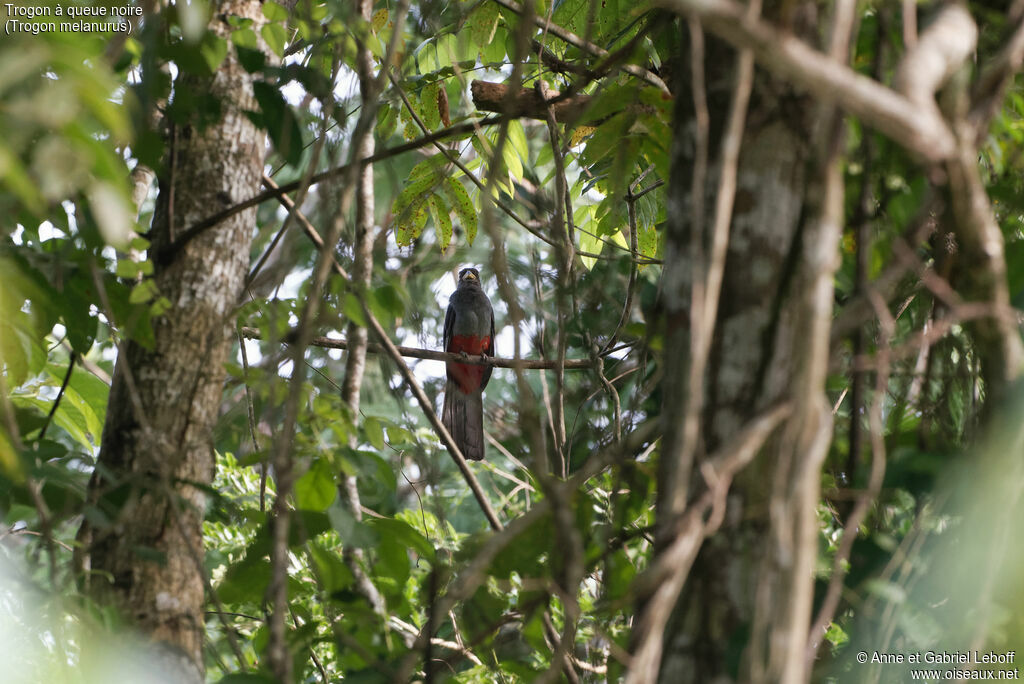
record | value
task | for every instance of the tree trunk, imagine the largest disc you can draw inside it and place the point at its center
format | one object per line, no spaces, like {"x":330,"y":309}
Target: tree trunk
{"x":157,"y":452}
{"x":743,"y":612}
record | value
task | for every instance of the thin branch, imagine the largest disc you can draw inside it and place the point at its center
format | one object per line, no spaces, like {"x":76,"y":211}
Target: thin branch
{"x":661,"y":583}
{"x":307,"y":227}
{"x":691,"y":342}
{"x":574,"y":40}
{"x":990,"y":88}
{"x":454,"y":159}
{"x":564,"y":253}
{"x":627,"y":306}
{"x":293,"y":208}
{"x":35,"y":490}
{"x":936,"y":55}
{"x":251,"y":415}
{"x":60,"y":395}
{"x":278,"y":656}
{"x":433,"y":355}
{"x":921,"y":131}
{"x":475,"y":572}
{"x":612,"y":393}
{"x":983,"y":268}
{"x":362,"y":271}
{"x":411,"y":630}
{"x":205,"y":224}
{"x":428,"y":410}
{"x":388,"y":347}
{"x":88,"y":365}
{"x":857,"y":311}
{"x":840,"y":563}
{"x":193,"y":553}
{"x":732,"y":139}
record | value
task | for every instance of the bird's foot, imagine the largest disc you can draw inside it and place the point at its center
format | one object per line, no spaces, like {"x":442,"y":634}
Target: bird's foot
{"x":464,"y":354}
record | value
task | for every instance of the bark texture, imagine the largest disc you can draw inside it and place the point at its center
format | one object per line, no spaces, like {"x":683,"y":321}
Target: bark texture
{"x":769,"y":346}
{"x":157,"y":446}
{"x":497,"y":97}
{"x":716,"y":610}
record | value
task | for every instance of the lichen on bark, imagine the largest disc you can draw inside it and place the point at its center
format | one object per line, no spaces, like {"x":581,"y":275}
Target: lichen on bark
{"x":156,"y":454}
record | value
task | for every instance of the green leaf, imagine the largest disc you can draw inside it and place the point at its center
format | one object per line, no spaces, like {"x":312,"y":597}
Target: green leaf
{"x":481,"y":612}
{"x":387,"y":121}
{"x":213,"y":49}
{"x":353,"y":310}
{"x":482,"y":24}
{"x":353,"y":532}
{"x":392,"y":567}
{"x":527,"y":556}
{"x":589,"y":242}
{"x":126,"y":268}
{"x":280,"y":122}
{"x":442,"y":221}
{"x":253,"y":61}
{"x":374,"y":432}
{"x":316,"y":489}
{"x":428,"y":106}
{"x":274,"y":11}
{"x":245,"y":582}
{"x":388,"y":298}
{"x":517,"y":141}
{"x":245,"y":38}
{"x":143,"y":292}
{"x":462,"y":205}
{"x":110,"y":207}
{"x":400,"y":438}
{"x":276,"y":37}
{"x":74,"y":404}
{"x":428,"y":172}
{"x":408,"y":536}
{"x":94,"y":392}
{"x":647,"y":241}
{"x":21,"y":352}
{"x":333,"y":574}
{"x":409,"y":208}
{"x":409,"y":224}
{"x":411,"y":130}
{"x":618,"y":575}
{"x":76,"y":303}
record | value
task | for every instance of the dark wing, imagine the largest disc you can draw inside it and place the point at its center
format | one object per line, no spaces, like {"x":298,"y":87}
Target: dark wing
{"x":488,"y":351}
{"x":449,"y":323}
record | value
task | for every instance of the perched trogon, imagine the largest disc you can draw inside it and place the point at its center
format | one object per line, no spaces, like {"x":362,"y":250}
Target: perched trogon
{"x":468,"y":329}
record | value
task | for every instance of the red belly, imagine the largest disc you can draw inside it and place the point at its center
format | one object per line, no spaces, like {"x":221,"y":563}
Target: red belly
{"x":468,"y":376}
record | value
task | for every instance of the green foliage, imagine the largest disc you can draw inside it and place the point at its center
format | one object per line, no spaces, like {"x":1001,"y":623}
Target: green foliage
{"x":72,"y":117}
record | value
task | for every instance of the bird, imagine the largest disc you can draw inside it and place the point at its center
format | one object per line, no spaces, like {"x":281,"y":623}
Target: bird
{"x":468,"y":329}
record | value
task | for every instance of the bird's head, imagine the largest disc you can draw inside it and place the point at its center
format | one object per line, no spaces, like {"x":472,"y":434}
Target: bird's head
{"x":469,"y":276}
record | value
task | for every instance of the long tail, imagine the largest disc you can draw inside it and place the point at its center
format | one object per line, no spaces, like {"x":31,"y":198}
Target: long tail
{"x":463,"y":416}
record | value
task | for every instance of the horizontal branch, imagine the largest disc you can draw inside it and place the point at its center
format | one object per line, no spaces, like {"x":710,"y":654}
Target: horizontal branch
{"x":922,"y":131}
{"x":388,"y":347}
{"x":274,"y":193}
{"x":431,"y":355}
{"x":494,"y":97}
